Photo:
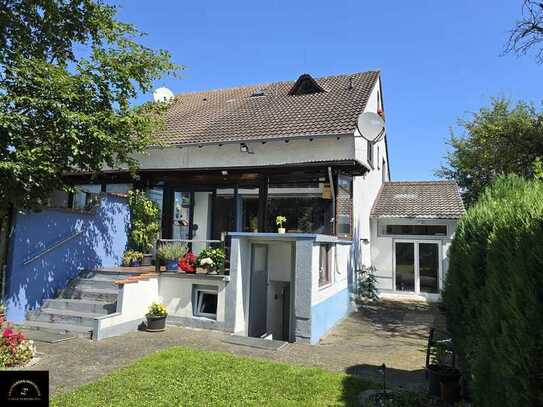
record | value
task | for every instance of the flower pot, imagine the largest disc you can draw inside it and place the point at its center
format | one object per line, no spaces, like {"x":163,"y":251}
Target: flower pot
{"x":171,"y":265}
{"x":155,"y":323}
{"x":212,"y":271}
{"x":147,"y":260}
{"x":438,"y":374}
{"x":135,"y":263}
{"x":281,"y":230}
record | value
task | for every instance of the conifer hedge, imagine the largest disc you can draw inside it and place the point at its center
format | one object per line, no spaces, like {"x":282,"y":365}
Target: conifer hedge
{"x":493,"y":294}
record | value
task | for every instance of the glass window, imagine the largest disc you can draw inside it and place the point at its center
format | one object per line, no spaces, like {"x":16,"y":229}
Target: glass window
{"x":58,"y":199}
{"x":206,"y":303}
{"x":118,"y":188}
{"x":325,"y":265}
{"x":405,"y":266}
{"x":85,"y":195}
{"x":416,"y":230}
{"x":308,"y":208}
{"x":344,"y":205}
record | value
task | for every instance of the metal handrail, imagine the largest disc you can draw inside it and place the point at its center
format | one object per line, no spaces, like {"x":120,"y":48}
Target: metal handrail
{"x":51,"y":248}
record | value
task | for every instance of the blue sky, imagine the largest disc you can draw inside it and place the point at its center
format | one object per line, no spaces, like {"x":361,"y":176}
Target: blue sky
{"x":439,"y":60}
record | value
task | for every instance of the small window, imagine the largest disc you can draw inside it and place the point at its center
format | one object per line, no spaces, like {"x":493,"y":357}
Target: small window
{"x":378,"y":159}
{"x":417,"y":230}
{"x":370,"y":153}
{"x":325,"y":274}
{"x":205,"y":303}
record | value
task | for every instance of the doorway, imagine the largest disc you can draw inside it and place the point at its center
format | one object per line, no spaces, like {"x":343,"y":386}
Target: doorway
{"x":417,"y":266}
{"x":258,"y":295}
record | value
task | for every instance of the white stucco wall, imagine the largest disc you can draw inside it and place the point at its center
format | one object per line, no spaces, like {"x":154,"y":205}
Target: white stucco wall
{"x":177,"y":293}
{"x":382,"y":246}
{"x":273,"y":152}
{"x":341,"y":263}
{"x":366,"y":187}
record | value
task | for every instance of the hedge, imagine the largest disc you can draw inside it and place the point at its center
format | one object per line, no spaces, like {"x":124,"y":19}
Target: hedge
{"x":493,"y":295}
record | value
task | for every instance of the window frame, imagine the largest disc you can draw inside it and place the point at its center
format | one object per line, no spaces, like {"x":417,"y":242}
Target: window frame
{"x":199,"y":303}
{"x":384,"y":227}
{"x":370,"y":157}
{"x":329,"y":265}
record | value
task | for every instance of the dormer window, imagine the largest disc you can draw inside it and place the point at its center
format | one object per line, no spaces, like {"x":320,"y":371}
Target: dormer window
{"x":305,"y":85}
{"x":258,"y":92}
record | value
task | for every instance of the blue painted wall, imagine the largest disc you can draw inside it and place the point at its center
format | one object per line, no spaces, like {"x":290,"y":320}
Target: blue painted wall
{"x":329,"y":312}
{"x":101,"y":244}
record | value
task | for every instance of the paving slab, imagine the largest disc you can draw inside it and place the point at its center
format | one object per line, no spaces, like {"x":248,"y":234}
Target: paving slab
{"x":389,"y":333}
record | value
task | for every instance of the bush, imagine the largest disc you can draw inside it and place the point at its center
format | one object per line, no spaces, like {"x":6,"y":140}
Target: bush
{"x":171,"y":251}
{"x":493,"y":294}
{"x":15,"y":348}
{"x":144,"y":221}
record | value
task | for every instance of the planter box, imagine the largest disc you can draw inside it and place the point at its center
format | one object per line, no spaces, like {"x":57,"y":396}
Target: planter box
{"x":155,"y":323}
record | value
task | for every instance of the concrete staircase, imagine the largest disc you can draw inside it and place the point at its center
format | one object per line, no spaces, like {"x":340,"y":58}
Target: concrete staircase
{"x":74,"y":310}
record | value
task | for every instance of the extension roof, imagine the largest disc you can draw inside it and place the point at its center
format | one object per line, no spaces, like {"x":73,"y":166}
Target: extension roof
{"x":421,"y":199}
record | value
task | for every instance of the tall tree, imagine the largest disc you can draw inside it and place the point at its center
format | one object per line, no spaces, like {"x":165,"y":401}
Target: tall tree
{"x":68,"y":72}
{"x":500,"y":139}
{"x":528,"y":31}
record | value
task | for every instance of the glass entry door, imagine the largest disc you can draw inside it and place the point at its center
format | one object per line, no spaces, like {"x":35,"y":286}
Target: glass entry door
{"x":182,"y":215}
{"x":417,"y":266}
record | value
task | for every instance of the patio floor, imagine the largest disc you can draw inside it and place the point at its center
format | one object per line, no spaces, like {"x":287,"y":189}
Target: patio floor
{"x":390,"y":333}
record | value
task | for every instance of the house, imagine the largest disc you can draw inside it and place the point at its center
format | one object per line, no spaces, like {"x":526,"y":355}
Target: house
{"x":232,"y":161}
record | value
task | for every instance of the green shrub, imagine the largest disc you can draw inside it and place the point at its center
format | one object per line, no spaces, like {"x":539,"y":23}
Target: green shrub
{"x":171,"y":251}
{"x":144,"y":221}
{"x":493,"y":294}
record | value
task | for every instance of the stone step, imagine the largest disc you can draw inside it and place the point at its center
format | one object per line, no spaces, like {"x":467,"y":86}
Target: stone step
{"x":96,"y":283}
{"x":86,"y":306}
{"x":114,"y":273}
{"x":94,"y":294}
{"x":47,"y":337}
{"x":63,"y":329}
{"x":63,"y":317}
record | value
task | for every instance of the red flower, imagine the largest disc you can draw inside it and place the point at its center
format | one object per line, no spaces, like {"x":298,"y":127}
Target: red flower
{"x":7,"y":332}
{"x":188,"y":262}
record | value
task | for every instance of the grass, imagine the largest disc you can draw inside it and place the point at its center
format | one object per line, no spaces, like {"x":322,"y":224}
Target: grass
{"x":182,"y":376}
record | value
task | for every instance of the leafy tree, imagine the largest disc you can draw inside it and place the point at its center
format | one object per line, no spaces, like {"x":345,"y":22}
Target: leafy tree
{"x":68,"y":72}
{"x":528,"y":31}
{"x":501,"y":139}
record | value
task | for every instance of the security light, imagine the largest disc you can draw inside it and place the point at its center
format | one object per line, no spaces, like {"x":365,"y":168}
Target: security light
{"x":244,"y":148}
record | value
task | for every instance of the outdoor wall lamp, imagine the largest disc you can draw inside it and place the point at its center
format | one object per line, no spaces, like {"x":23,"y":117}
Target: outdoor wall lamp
{"x":244,"y":148}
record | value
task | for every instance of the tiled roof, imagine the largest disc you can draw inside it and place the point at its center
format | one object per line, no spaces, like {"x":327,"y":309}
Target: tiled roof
{"x":233,"y":114}
{"x":422,"y":199}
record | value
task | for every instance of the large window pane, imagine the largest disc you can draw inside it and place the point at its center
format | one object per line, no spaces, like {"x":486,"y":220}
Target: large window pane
{"x":429,"y":267}
{"x":405,"y":266}
{"x":307,"y":207}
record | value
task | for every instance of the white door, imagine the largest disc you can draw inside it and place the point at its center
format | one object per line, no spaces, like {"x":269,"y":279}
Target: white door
{"x":417,"y":266}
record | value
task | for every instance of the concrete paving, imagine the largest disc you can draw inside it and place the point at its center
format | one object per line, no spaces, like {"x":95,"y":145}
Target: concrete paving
{"x":390,"y":333}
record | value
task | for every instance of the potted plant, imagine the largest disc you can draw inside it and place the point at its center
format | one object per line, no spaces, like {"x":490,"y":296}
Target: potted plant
{"x":132,"y":258}
{"x":211,"y":259}
{"x":171,"y":253}
{"x":156,"y":317}
{"x":253,"y":224}
{"x":280,"y":220}
{"x":144,"y":223}
{"x":444,"y":380}
{"x":188,"y":262}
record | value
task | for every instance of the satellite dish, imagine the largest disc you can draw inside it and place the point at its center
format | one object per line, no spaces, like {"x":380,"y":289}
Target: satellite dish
{"x":371,"y":126}
{"x":162,"y":95}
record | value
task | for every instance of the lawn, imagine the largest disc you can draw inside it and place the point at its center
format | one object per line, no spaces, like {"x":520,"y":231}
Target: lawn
{"x":183,"y":376}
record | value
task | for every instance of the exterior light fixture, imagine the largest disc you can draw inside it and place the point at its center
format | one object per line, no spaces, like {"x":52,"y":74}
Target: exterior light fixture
{"x":244,"y":148}
{"x":224,"y":172}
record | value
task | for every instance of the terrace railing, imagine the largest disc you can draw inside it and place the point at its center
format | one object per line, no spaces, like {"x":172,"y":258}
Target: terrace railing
{"x":196,"y":246}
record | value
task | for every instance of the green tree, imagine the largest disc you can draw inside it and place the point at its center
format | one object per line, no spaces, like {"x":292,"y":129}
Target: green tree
{"x":68,"y":73}
{"x":501,"y":139}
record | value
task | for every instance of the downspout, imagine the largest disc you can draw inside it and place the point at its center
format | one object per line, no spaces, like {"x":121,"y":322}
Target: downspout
{"x":333,"y":192}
